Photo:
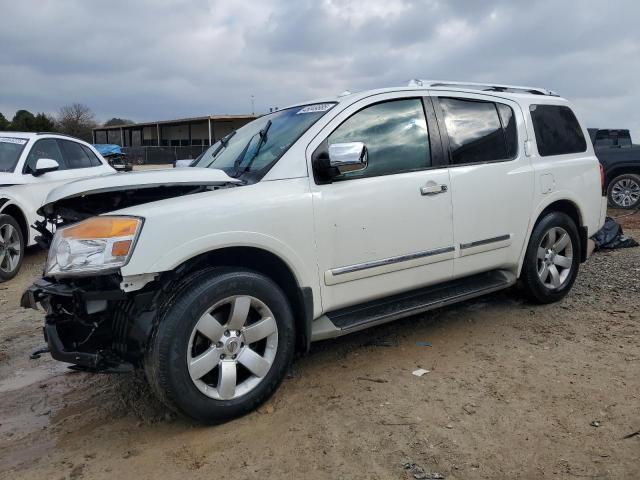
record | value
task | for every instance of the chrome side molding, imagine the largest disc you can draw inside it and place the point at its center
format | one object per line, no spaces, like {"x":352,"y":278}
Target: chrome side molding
{"x":386,"y":265}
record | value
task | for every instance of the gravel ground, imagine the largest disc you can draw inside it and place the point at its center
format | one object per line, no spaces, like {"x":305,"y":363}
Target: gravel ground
{"x":512,"y":391}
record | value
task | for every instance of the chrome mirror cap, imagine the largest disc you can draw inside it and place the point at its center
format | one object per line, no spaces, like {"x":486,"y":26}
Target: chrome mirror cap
{"x":348,"y":157}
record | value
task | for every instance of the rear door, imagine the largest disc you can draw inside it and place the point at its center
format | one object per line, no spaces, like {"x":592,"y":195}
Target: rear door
{"x":492,"y":179}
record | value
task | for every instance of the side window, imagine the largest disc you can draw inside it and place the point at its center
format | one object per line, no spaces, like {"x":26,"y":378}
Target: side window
{"x":74,"y":155}
{"x":395,"y":134}
{"x":479,"y":131}
{"x":557,"y":130}
{"x":95,"y":161}
{"x":508,"y":120}
{"x":45,"y":148}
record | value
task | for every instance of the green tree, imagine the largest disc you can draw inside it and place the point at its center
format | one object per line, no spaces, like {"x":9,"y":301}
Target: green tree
{"x":23,"y":121}
{"x":43,"y":123}
{"x":4,"y":123}
{"x":117,"y":121}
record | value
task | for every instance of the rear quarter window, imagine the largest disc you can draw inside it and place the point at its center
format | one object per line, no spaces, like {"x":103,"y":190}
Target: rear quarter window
{"x":557,"y":130}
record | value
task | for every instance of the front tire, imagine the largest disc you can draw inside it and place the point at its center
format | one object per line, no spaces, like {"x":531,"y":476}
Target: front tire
{"x":624,"y":191}
{"x":552,"y":259}
{"x":11,"y":247}
{"x":223,"y":347}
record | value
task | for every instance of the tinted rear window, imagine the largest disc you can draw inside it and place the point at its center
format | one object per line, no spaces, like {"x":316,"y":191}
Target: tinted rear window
{"x":479,"y":131}
{"x":557,"y":130}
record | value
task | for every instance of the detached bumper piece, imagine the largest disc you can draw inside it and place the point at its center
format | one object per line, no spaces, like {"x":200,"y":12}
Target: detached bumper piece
{"x":94,"y":325}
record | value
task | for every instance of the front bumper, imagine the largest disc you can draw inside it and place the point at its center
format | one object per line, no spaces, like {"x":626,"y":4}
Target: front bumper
{"x":95,"y":326}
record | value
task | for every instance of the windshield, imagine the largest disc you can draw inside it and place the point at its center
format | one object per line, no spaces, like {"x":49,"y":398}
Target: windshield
{"x":250,"y":151}
{"x":10,"y":150}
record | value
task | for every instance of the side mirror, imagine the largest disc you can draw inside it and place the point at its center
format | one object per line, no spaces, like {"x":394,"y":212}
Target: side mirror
{"x":348,"y":157}
{"x":44,"y":165}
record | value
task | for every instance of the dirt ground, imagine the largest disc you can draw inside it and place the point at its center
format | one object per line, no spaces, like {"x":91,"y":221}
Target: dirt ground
{"x":513,"y":391}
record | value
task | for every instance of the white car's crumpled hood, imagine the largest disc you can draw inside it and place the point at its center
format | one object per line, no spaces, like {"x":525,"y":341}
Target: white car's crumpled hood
{"x":114,"y":182}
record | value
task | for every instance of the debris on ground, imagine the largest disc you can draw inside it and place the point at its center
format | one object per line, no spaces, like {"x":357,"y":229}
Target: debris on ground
{"x":595,"y":423}
{"x":374,"y":380}
{"x":631,"y":435}
{"x":424,"y":344}
{"x":418,"y":472}
{"x":611,"y":236}
{"x":419,"y":372}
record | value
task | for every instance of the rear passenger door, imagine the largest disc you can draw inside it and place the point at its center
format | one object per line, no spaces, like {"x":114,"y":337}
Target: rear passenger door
{"x":491,"y":179}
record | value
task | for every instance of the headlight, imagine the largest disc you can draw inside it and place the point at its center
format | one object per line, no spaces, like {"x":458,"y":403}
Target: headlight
{"x":93,"y":245}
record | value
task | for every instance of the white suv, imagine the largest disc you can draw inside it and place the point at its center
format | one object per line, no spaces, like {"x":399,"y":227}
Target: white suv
{"x":31,"y":165}
{"x":313,"y":222}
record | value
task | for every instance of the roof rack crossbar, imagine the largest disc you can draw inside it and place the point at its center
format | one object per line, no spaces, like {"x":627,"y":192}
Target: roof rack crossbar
{"x":489,"y":87}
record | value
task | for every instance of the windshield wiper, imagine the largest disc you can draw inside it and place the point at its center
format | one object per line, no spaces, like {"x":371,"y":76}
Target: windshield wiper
{"x":237,"y":171}
{"x":261,"y":142}
{"x":223,"y":143}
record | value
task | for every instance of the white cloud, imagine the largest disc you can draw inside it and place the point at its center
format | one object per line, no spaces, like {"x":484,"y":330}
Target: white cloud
{"x":151,"y":59}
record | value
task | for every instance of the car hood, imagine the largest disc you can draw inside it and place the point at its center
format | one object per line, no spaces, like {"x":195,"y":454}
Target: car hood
{"x":7,"y":179}
{"x":116,"y":182}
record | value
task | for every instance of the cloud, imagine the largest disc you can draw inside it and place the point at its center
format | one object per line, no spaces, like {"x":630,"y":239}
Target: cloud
{"x":149,"y":60}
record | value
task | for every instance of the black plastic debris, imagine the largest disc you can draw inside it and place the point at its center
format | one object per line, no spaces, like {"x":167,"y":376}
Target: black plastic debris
{"x":612,"y":236}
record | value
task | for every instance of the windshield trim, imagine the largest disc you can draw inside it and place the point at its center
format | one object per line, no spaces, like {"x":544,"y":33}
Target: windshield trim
{"x":19,"y":155}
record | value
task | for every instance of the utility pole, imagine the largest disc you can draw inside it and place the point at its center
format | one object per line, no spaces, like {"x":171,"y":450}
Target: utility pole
{"x":253,"y":110}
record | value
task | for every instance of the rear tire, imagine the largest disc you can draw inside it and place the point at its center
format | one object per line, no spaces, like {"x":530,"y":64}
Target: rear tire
{"x":552,"y":259}
{"x":624,"y":191}
{"x":11,"y":247}
{"x":223,"y":347}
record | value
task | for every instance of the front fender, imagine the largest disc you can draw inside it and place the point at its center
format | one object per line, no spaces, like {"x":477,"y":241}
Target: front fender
{"x":216,"y":241}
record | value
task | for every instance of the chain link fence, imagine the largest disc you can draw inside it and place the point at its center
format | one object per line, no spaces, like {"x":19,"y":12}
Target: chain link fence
{"x":156,"y":155}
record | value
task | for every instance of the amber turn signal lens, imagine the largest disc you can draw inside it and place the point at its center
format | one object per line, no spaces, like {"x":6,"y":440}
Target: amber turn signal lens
{"x":121,"y":248}
{"x":102,"y":227}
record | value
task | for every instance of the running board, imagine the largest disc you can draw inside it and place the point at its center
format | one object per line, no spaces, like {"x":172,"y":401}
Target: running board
{"x":358,"y":317}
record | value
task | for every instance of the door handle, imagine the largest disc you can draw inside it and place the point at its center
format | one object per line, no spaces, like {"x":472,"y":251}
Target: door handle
{"x":433,"y":189}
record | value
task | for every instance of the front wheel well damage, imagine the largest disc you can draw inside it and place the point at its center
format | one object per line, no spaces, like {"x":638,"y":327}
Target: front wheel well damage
{"x":268,"y":264}
{"x":571,"y":209}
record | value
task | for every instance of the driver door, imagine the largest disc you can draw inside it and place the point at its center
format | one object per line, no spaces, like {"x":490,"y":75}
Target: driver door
{"x":387,"y":228}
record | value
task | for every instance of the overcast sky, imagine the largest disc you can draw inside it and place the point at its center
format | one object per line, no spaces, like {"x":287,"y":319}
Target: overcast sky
{"x":153,"y":60}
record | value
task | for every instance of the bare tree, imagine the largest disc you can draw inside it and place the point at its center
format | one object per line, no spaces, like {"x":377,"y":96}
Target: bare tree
{"x":76,"y":119}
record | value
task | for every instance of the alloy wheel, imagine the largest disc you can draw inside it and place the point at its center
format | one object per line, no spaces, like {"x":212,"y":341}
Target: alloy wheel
{"x":10,"y":249}
{"x":232,"y":347}
{"x":555,"y":258}
{"x":625,"y":192}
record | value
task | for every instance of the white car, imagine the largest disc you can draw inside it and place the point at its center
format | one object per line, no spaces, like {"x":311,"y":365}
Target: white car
{"x":31,"y":165}
{"x":312,"y":222}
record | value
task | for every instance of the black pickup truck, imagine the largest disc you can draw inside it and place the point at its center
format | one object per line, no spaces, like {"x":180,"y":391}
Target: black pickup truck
{"x":620,"y":159}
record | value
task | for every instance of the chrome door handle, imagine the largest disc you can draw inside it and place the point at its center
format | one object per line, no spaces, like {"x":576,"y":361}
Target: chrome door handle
{"x":433,"y":189}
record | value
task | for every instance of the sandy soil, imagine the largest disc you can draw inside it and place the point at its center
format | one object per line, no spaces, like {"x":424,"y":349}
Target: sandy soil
{"x":513,"y":391}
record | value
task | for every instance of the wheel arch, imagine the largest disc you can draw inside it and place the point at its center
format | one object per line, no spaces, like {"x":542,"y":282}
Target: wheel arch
{"x":9,"y":208}
{"x":616,"y":171}
{"x":270,"y":265}
{"x":570,"y":208}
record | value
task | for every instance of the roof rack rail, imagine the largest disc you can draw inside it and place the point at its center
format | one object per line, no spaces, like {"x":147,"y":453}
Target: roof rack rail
{"x":486,"y":87}
{"x":57,"y":133}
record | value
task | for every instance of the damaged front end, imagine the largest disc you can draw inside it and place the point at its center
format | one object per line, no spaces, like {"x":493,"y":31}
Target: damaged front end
{"x":96,"y":319}
{"x":92,"y":323}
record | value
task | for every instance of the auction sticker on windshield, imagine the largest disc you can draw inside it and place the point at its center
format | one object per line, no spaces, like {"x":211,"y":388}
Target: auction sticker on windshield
{"x":318,"y":107}
{"x":17,"y":141}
